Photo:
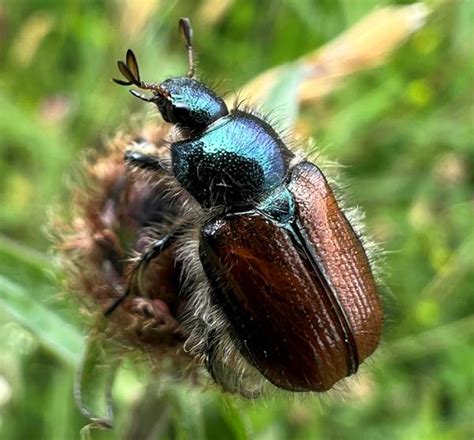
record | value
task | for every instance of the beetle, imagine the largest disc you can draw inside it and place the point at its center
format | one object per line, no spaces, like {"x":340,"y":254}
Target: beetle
{"x":276,"y":280}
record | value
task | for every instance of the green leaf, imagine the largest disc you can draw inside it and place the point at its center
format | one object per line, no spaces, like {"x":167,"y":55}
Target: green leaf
{"x":55,"y":334}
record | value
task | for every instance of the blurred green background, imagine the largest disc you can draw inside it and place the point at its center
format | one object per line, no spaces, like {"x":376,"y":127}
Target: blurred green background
{"x":404,"y":132}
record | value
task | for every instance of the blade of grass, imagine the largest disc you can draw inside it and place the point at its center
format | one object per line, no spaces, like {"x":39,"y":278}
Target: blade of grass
{"x":187,"y":412}
{"x":55,"y":334}
{"x":430,"y":341}
{"x":25,"y":255}
{"x":365,"y":45}
{"x":95,"y":378}
{"x":282,"y":98}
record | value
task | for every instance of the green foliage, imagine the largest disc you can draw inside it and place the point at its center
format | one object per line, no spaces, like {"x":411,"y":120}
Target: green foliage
{"x":404,"y":131}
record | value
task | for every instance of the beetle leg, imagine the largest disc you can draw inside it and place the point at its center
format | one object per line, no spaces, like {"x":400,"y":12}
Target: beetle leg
{"x":144,"y":161}
{"x":154,"y":251}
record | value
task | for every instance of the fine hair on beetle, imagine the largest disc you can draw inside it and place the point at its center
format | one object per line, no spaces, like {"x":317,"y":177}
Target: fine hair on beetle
{"x":175,"y":228}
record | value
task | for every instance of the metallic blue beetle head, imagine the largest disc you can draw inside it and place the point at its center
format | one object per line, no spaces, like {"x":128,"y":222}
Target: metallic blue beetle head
{"x":184,"y":101}
{"x":189,"y":103}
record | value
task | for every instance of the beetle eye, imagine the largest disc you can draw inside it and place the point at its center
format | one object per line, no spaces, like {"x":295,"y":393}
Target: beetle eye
{"x":176,"y":113}
{"x":181,"y":111}
{"x":165,"y":107}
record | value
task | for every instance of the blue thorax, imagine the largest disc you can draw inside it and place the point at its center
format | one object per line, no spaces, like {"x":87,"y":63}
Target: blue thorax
{"x":236,"y":161}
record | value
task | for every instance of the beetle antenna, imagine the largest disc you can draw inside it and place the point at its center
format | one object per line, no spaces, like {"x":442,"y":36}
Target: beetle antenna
{"x":131,"y":73}
{"x":186,"y":32}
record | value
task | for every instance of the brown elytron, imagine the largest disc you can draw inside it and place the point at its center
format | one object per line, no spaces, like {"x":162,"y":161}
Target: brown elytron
{"x":302,"y":301}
